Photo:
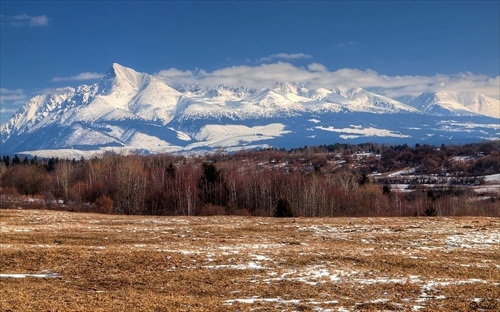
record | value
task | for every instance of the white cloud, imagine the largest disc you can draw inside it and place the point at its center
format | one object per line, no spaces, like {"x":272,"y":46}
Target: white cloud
{"x":317,"y":75}
{"x":284,"y":56}
{"x":317,"y":67}
{"x":173,"y":73}
{"x":23,"y":20}
{"x":10,"y":101}
{"x":9,"y":96}
{"x":80,"y":77}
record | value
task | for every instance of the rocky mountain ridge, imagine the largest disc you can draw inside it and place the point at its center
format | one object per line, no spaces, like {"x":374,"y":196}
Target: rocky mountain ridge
{"x":131,"y":111}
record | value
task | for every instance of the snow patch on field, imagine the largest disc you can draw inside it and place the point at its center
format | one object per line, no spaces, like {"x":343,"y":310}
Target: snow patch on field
{"x":474,"y":241}
{"x":24,"y":275}
{"x":494,"y":178}
{"x":257,"y":299}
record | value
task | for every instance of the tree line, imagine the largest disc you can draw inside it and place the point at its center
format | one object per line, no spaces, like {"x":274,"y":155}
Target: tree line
{"x":311,"y":181}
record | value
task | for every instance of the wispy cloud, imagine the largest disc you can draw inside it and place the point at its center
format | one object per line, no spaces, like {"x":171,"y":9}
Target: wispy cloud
{"x":80,"y":77}
{"x":317,"y":75}
{"x":284,"y":56}
{"x":25,"y":20}
{"x":345,"y":44}
{"x":9,"y":96}
{"x":10,"y":101}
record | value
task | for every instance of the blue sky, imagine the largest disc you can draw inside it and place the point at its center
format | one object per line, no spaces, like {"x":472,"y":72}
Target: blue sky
{"x":49,"y":44}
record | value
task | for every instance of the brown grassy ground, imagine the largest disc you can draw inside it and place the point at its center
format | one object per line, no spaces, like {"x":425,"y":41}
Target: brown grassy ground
{"x":91,"y":262}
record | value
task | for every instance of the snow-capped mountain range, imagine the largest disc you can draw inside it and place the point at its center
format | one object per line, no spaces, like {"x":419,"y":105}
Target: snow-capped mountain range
{"x":128,"y":111}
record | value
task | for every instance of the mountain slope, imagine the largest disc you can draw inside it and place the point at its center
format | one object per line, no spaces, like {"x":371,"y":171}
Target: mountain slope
{"x":132,"y":111}
{"x":461,"y":104}
{"x":480,"y":104}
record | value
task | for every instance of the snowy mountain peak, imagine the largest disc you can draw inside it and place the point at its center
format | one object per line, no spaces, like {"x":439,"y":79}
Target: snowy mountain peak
{"x":287,"y":87}
{"x":124,"y":77}
{"x":292,"y":88}
{"x":118,"y":70}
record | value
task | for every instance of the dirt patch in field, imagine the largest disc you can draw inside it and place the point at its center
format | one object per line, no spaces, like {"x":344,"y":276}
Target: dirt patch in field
{"x":65,"y":261}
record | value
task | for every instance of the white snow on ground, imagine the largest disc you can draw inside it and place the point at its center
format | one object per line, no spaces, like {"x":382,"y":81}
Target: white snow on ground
{"x":401,"y":172}
{"x":261,"y":258}
{"x":77,"y":154}
{"x":257,"y":299}
{"x":494,"y":178}
{"x":181,"y":135}
{"x":460,"y":126}
{"x":139,"y":140}
{"x":471,"y":241}
{"x":357,"y":132}
{"x":233,"y":135}
{"x":24,"y":275}
{"x":252,"y":265}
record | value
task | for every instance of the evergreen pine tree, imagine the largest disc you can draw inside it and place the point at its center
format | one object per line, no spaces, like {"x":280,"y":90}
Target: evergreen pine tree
{"x":16,"y":160}
{"x":212,"y":185}
{"x":6,"y":160}
{"x":283,"y":209}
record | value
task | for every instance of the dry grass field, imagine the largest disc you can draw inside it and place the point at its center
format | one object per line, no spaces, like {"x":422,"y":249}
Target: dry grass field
{"x":62,"y":261}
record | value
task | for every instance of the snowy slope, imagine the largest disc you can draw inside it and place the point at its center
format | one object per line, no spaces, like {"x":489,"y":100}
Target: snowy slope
{"x":364,"y":101}
{"x":132,"y":111}
{"x":460,"y":104}
{"x":480,"y":104}
{"x":126,"y":93}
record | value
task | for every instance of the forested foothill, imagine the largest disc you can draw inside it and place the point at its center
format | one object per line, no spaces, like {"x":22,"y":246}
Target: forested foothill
{"x":330,"y":180}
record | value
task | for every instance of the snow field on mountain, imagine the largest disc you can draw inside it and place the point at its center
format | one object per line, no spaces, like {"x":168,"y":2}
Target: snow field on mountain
{"x":139,"y":140}
{"x":181,"y":135}
{"x":231,"y":135}
{"x":356,"y":132}
{"x":82,"y":136}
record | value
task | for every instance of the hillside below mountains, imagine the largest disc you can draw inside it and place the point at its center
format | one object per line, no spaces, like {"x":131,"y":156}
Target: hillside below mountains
{"x":128,"y":111}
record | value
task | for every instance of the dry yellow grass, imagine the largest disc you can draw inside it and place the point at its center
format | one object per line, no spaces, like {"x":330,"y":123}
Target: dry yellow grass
{"x":91,"y":262}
